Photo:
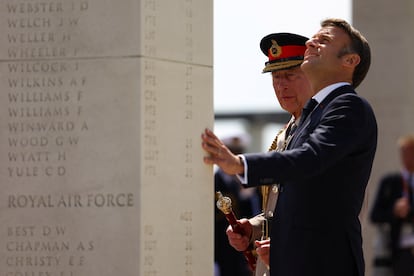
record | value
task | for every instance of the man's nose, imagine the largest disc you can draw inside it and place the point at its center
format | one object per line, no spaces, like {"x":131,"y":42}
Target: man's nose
{"x":312,"y":42}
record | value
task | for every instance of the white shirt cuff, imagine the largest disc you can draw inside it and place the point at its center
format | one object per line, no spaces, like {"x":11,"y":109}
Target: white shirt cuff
{"x":243,"y":177}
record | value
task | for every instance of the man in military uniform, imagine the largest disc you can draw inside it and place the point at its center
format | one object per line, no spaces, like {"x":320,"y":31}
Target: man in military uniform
{"x":285,"y":52}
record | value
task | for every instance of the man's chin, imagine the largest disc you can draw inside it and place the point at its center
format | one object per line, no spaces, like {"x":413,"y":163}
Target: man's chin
{"x":306,"y":64}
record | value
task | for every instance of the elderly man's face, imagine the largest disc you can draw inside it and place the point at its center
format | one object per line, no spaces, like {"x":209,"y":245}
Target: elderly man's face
{"x":292,"y":89}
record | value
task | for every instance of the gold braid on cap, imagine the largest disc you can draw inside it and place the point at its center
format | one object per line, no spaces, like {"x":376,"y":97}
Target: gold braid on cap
{"x":282,"y":65}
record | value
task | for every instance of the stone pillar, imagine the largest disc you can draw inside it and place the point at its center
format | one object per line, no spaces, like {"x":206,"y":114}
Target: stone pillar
{"x":389,"y":87}
{"x":103,"y":104}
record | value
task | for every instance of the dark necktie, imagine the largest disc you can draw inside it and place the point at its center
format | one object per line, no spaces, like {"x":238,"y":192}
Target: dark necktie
{"x":291,"y":129}
{"x":310,"y":105}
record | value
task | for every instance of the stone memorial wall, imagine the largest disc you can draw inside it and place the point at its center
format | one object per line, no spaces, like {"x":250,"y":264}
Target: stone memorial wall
{"x":102,"y":106}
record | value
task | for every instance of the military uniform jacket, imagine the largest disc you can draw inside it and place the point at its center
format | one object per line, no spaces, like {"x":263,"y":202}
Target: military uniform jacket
{"x":264,"y":219}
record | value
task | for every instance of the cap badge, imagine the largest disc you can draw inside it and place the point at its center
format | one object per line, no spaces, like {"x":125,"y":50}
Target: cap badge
{"x":275,"y":50}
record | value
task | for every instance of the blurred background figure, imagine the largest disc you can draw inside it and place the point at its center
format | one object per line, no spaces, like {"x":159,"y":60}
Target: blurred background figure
{"x":393,"y":213}
{"x":382,"y":261}
{"x":245,"y":203}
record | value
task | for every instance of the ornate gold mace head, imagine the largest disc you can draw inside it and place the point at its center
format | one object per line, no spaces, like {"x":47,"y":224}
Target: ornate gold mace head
{"x":223,"y":203}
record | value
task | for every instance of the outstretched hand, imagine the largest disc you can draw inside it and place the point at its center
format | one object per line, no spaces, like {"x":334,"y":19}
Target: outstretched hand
{"x":220,"y":155}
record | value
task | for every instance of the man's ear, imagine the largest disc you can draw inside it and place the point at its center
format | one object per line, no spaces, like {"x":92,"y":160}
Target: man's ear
{"x":351,"y":60}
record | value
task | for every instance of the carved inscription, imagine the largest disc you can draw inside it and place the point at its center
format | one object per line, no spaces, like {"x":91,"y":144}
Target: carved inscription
{"x":186,"y":218}
{"x":46,"y":119}
{"x":45,"y":250}
{"x":150,"y":127}
{"x":150,"y":92}
{"x":45,"y":94}
{"x":150,"y":27}
{"x":41,"y":29}
{"x":150,"y":248}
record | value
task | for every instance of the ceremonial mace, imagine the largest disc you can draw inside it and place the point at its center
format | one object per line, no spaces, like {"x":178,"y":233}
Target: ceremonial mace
{"x":224,"y":204}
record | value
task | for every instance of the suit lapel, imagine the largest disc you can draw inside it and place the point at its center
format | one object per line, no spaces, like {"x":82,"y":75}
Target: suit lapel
{"x":314,"y":117}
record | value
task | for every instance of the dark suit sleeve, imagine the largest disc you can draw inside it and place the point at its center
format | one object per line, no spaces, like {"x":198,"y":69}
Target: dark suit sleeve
{"x":342,"y":130}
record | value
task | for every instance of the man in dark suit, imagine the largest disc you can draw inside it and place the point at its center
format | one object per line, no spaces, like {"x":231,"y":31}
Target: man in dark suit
{"x":325,"y":170}
{"x":394,"y":206}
